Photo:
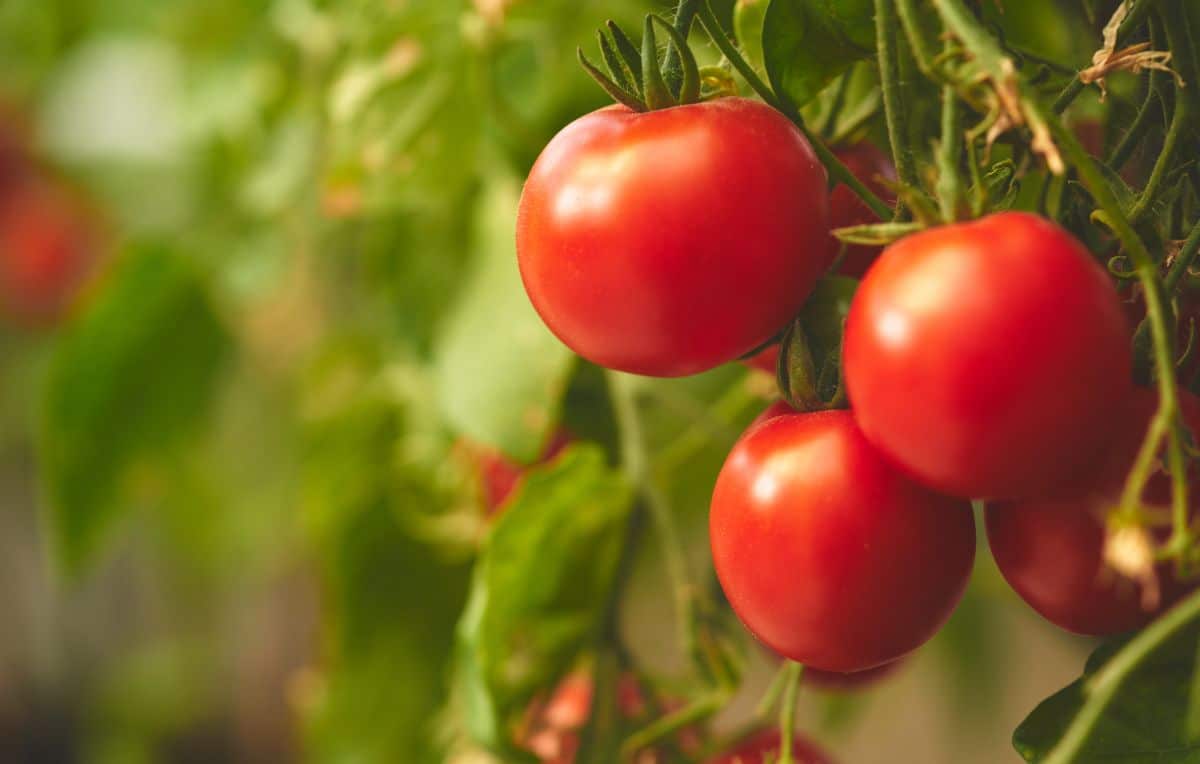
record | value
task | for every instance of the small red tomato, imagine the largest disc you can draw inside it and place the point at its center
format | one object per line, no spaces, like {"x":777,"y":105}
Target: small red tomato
{"x":985,"y":357}
{"x":875,"y":169}
{"x":766,"y":745}
{"x":499,"y":475}
{"x":672,"y":241}
{"x":1052,"y":551}
{"x":47,"y":249}
{"x":827,"y":553}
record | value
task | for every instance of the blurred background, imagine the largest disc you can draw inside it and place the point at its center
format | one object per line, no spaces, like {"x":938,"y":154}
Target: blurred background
{"x":263,"y":336}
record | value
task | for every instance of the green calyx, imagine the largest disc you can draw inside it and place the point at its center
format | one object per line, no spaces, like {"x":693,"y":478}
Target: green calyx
{"x":635,"y":76}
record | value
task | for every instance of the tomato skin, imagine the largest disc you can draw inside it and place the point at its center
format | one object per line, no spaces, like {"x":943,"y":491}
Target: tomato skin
{"x":983,"y":357}
{"x":755,"y":749}
{"x":668,"y":242}
{"x":828,"y":554}
{"x":875,"y":169}
{"x":1052,"y":551}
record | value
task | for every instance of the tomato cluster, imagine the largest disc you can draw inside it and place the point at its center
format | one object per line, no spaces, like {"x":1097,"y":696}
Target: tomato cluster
{"x":988,"y":360}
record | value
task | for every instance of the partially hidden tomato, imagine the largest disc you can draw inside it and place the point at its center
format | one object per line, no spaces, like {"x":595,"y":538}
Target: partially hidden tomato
{"x":668,"y":242}
{"x":986,"y":357}
{"x":48,"y":245}
{"x":875,"y":169}
{"x":827,"y":553}
{"x":1052,"y":551}
{"x":766,"y":745}
{"x":499,"y":475}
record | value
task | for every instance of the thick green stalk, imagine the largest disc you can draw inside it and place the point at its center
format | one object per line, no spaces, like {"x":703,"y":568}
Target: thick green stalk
{"x":787,"y":712}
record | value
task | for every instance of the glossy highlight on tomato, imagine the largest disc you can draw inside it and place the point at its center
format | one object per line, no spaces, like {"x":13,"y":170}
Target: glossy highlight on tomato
{"x":766,"y":745}
{"x":1052,"y":551}
{"x":669,"y":242}
{"x":827,"y":553}
{"x":984,"y":357}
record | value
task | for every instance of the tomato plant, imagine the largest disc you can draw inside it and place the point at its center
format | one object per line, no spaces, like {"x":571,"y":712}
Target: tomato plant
{"x":875,"y":169}
{"x":883,"y":561}
{"x":985,"y":357}
{"x":638,"y":253}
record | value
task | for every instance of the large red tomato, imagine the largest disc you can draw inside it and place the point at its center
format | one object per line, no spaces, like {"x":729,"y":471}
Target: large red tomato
{"x":1051,"y":551}
{"x":671,"y":241}
{"x":827,"y":553}
{"x":875,"y":169}
{"x":758,"y":746}
{"x":985,"y":357}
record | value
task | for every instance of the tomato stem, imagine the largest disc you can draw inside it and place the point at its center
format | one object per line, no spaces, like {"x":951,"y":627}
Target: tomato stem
{"x":895,"y":114}
{"x":787,"y":712}
{"x":698,"y":710}
{"x":1137,"y":14}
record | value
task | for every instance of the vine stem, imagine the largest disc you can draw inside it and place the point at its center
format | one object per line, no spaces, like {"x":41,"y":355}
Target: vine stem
{"x":889,"y":78}
{"x":637,"y":465}
{"x":1183,"y":261}
{"x":1102,"y":687}
{"x":787,"y":712}
{"x":838,"y":172}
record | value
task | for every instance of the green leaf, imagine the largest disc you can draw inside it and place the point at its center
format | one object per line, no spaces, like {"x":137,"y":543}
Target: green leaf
{"x":748,"y":16}
{"x":540,"y":588}
{"x":1146,"y":723}
{"x":500,"y":372}
{"x":131,"y":378}
{"x":808,"y":43}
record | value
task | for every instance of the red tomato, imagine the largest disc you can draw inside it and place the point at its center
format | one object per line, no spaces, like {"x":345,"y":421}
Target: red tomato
{"x":985,"y":357}
{"x":1051,"y":551}
{"x":499,"y":475}
{"x":875,"y":169}
{"x":758,"y":746}
{"x":47,"y":248}
{"x":671,"y":241}
{"x":826,"y":552}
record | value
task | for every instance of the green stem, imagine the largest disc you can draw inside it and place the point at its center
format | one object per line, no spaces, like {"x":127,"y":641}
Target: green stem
{"x":636,"y":463}
{"x":838,"y":172}
{"x":1183,"y":261}
{"x":1137,"y":14}
{"x":787,"y":712}
{"x":1137,"y":130}
{"x":696,"y":711}
{"x":889,"y":78}
{"x":774,"y":690}
{"x":1103,"y":686}
{"x":949,"y":185}
{"x":1180,"y":125}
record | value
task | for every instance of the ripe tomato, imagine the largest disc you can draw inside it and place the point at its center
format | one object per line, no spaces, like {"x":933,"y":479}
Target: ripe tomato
{"x":1051,"y":551}
{"x":47,"y":248}
{"x":875,"y":169}
{"x":499,"y":475}
{"x":767,"y":742}
{"x":672,"y":241}
{"x":826,"y":552}
{"x":985,"y":357}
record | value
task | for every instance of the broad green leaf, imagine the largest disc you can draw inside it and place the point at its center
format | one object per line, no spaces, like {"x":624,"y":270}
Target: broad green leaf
{"x":500,"y":372}
{"x":133,"y":376}
{"x":1146,"y":723}
{"x":540,"y":588}
{"x":807,"y":43}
